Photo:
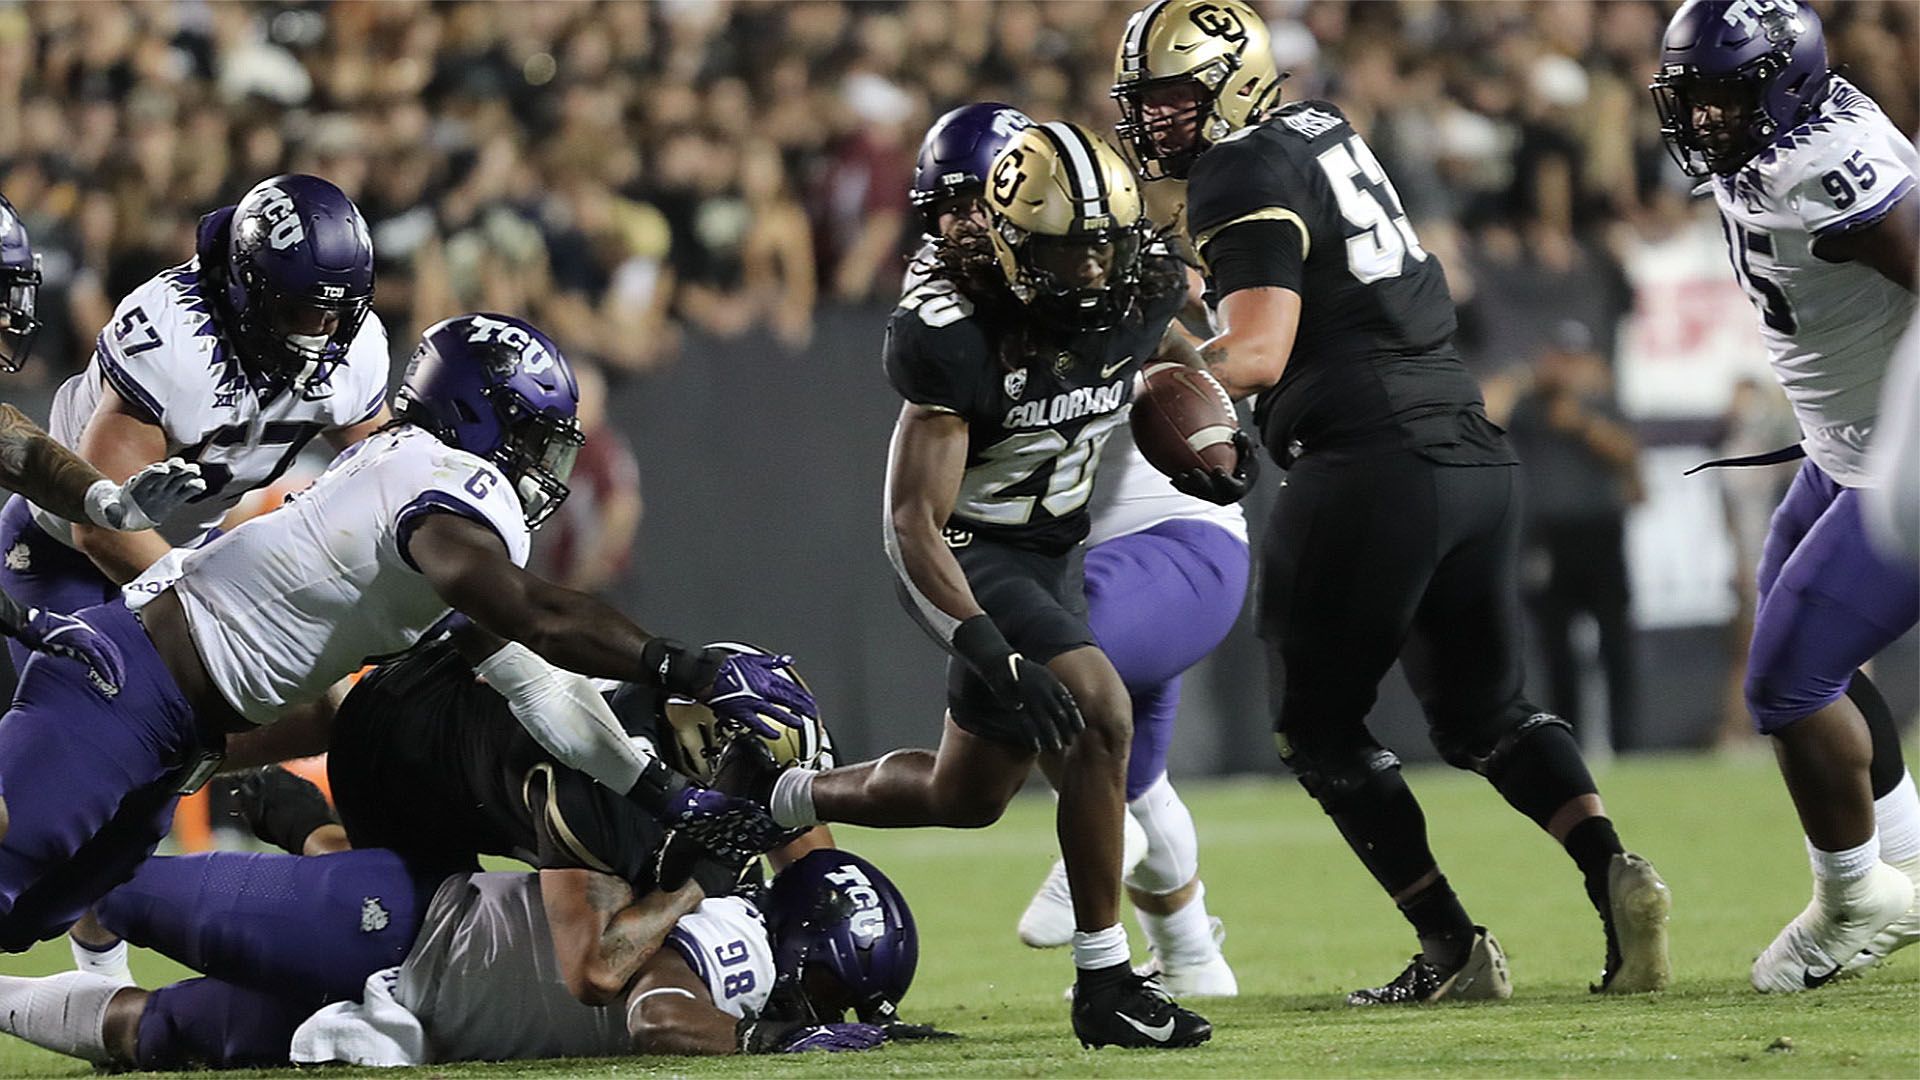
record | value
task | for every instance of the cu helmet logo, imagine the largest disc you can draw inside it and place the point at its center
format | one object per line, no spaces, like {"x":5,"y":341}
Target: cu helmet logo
{"x":1222,"y":23}
{"x":1007,"y":176}
{"x":281,"y":218}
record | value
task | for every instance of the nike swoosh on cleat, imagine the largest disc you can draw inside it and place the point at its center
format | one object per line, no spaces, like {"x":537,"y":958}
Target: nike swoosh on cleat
{"x":1813,"y":981}
{"x":1165,"y":1031}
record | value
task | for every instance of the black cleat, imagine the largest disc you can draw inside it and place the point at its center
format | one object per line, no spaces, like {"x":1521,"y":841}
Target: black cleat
{"x":1133,"y":1011}
{"x":1482,"y":976}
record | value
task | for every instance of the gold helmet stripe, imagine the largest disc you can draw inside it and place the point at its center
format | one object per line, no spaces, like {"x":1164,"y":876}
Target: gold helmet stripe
{"x":1136,"y":49}
{"x":1088,"y":182}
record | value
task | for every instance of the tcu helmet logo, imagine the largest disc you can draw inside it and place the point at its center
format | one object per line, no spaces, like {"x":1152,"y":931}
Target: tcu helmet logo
{"x":1007,"y":174}
{"x":1751,"y":15}
{"x":534,"y":357}
{"x":869,"y":922}
{"x":1221,"y":23}
{"x":1006,"y":122}
{"x":283,"y":222}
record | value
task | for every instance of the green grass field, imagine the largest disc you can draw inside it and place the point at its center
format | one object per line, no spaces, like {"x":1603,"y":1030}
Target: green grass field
{"x":1306,"y":923}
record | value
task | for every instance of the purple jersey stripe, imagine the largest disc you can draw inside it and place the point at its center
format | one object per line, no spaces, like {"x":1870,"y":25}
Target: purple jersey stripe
{"x":415,"y":513}
{"x":145,"y":405}
{"x":1871,"y":214}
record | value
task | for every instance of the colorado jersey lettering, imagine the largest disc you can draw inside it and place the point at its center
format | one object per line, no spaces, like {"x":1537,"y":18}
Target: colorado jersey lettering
{"x":1034,"y":432}
{"x":289,"y":603}
{"x":1372,"y":364}
{"x":164,"y":356}
{"x":1829,"y":327}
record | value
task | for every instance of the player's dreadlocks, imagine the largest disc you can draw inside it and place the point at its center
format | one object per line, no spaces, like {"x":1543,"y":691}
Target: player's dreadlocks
{"x":965,"y":257}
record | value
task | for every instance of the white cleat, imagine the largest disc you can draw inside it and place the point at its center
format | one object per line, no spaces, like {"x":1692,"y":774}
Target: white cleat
{"x":1809,"y":953}
{"x":1048,"y":921}
{"x":1899,"y":934}
{"x":1641,"y":904}
{"x":1210,"y":978}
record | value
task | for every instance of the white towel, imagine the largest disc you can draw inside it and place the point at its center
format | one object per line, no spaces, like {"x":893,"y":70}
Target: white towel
{"x":378,"y":1031}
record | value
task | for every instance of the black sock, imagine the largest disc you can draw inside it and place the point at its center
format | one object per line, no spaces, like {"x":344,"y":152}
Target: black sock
{"x":1446,"y":933}
{"x":1092,"y":980}
{"x":1593,"y":843}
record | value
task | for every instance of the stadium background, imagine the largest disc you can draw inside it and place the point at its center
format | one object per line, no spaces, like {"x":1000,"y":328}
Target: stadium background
{"x":707,"y":202}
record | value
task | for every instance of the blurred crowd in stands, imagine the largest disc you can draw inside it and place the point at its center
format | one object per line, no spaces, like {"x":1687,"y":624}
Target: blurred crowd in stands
{"x":628,"y":172}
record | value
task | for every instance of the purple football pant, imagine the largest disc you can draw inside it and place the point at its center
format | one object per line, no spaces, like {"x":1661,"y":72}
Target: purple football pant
{"x":1828,"y":602}
{"x":42,"y":572}
{"x":210,"y":1024}
{"x":298,"y":926}
{"x":1159,"y":601}
{"x":87,"y":780}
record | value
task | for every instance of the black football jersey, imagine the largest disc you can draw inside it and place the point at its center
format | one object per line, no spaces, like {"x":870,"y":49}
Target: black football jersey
{"x":1035,"y":432}
{"x":427,"y":761}
{"x":1372,"y":363}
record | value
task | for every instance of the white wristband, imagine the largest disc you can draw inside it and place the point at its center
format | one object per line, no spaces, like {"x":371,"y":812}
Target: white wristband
{"x":101,"y":495}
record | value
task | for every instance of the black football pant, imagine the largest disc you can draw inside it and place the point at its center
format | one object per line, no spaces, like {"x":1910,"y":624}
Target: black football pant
{"x":1395,"y":557}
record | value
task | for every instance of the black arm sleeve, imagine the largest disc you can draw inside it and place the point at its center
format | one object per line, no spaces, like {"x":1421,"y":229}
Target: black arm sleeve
{"x":1252,"y":254}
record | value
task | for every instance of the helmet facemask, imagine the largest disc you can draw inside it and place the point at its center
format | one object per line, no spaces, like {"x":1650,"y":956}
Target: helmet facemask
{"x":1155,"y":141}
{"x":293,"y":340}
{"x":1080,"y":282}
{"x":537,"y":454}
{"x":19,"y":325}
{"x":1726,"y":142}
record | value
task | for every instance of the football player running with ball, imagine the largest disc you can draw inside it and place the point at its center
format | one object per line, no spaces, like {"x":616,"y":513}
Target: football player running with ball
{"x":1166,"y":574}
{"x":1815,"y":190}
{"x":1017,"y":358}
{"x":1394,"y":534}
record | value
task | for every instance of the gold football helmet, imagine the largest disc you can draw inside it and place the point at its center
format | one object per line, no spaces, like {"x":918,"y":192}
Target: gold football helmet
{"x":1065,"y":220}
{"x":691,"y":737}
{"x":1208,"y":63}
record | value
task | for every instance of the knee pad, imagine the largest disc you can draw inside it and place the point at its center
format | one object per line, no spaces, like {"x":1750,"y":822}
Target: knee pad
{"x":1342,"y":777}
{"x":1491,"y":757}
{"x":1535,"y":765}
{"x":1173,"y":846}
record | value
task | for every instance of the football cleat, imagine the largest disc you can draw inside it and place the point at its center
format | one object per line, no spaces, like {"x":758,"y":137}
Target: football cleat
{"x":1640,"y":903}
{"x":1807,"y":954}
{"x":1483,"y":976}
{"x":1209,"y":978}
{"x":1048,"y":921}
{"x":1899,"y":934}
{"x":1134,"y":1011}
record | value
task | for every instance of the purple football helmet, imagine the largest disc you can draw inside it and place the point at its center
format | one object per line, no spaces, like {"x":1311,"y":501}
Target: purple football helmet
{"x":843,"y":938}
{"x":19,"y":289}
{"x":957,"y":154}
{"x":498,"y":388}
{"x":299,"y":278}
{"x":1734,"y":76}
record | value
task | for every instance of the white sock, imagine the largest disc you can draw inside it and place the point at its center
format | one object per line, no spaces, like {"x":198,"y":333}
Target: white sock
{"x":1897,"y":815}
{"x":792,"y":800}
{"x":1184,"y":938}
{"x":1101,"y":948}
{"x":110,"y":961}
{"x":1173,"y":847}
{"x":1835,"y":873}
{"x":64,"y":1013}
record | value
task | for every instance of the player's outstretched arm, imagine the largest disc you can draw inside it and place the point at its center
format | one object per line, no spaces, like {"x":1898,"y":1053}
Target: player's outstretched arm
{"x":57,"y":479}
{"x":924,"y":470}
{"x":602,"y":935}
{"x":671,"y":1011}
{"x":119,"y":443}
{"x":1888,"y":245}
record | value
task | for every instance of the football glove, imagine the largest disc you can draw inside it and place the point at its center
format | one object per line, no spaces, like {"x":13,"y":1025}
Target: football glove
{"x":1218,"y":486}
{"x":795,"y":1036}
{"x":147,"y":498}
{"x":1045,"y":707}
{"x":68,"y":636}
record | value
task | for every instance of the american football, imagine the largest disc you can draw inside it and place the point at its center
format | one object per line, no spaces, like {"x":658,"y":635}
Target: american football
{"x":1182,"y":419}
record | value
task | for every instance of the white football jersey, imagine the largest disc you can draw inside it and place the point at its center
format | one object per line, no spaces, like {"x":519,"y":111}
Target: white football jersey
{"x":163,"y":355}
{"x":483,"y":981}
{"x":1829,"y":327}
{"x":290,"y":602}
